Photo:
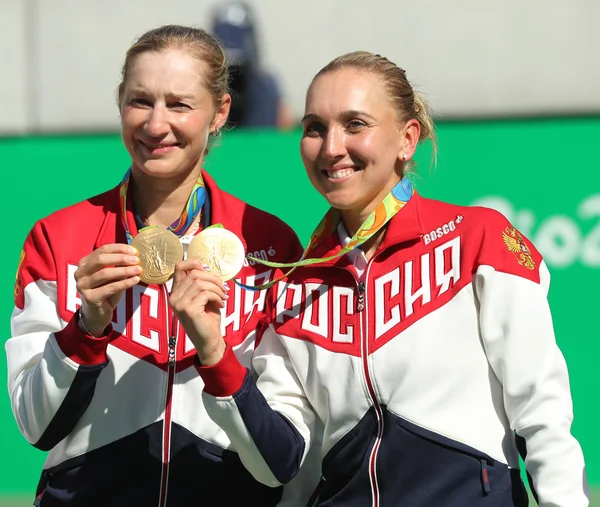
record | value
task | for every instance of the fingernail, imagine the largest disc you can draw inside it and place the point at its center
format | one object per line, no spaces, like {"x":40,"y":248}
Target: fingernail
{"x":226,"y":287}
{"x":133,"y":258}
{"x":226,"y":296}
{"x":135,"y":279}
{"x":132,"y":251}
{"x":205,"y":267}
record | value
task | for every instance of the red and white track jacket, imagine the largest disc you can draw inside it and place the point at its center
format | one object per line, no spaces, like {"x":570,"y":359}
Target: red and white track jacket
{"x":123,"y":425}
{"x":431,"y":372}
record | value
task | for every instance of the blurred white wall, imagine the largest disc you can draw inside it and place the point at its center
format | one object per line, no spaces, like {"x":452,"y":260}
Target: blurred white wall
{"x":60,"y":64}
{"x":15,"y":67}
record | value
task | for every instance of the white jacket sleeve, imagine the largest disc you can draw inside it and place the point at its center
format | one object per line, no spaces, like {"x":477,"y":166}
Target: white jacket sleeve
{"x":52,"y":365}
{"x":268,"y":420}
{"x":518,"y":336}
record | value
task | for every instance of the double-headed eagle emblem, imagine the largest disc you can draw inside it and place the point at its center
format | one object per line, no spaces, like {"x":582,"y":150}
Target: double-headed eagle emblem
{"x":18,"y":279}
{"x":515,"y":244}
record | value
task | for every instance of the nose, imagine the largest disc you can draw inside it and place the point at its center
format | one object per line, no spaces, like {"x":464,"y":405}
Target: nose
{"x":334,"y":146}
{"x":157,"y":124}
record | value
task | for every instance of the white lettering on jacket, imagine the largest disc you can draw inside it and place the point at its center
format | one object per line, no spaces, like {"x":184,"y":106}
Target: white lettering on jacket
{"x":141,"y":313}
{"x":397,"y":295}
{"x":146,"y":330}
{"x":341,"y":333}
{"x":439,"y":232}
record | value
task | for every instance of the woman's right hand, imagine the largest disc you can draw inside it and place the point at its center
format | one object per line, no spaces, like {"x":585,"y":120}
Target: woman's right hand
{"x":102,"y":277}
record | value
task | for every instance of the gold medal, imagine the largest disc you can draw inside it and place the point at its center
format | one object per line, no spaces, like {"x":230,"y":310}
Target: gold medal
{"x":221,"y":250}
{"x":159,"y":251}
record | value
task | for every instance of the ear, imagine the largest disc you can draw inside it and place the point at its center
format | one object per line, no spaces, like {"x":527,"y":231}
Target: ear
{"x":411,"y":133}
{"x":221,"y":113}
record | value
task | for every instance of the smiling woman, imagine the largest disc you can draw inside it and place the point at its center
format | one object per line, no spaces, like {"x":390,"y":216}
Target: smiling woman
{"x":103,"y":365}
{"x":356,"y":148}
{"x":172,"y":96}
{"x":410,"y":329}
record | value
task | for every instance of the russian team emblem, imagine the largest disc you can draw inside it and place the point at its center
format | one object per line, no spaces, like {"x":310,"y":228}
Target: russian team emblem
{"x":516,"y":244}
{"x":18,"y":281}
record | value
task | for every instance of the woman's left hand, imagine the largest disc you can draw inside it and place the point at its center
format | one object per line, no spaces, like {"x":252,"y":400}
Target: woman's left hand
{"x":196,"y":298}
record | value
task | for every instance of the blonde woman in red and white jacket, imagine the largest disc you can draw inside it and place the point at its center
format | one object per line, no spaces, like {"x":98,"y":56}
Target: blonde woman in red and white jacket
{"x":422,"y":338}
{"x":103,"y":370}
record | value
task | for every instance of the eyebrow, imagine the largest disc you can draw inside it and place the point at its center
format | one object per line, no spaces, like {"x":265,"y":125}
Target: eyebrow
{"x":345,"y":115}
{"x":141,"y":91}
{"x":188,"y":96}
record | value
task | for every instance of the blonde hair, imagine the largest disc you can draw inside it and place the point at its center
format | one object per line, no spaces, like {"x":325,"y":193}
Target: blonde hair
{"x":197,"y":42}
{"x":409,"y":104}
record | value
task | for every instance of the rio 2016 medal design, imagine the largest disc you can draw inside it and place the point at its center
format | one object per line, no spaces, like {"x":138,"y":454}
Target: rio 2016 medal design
{"x":159,"y":251}
{"x":220,"y":249}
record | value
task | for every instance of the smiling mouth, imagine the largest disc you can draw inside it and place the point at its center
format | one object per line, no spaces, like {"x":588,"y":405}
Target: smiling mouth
{"x":158,"y":146}
{"x":159,"y":149}
{"x":342,"y":173}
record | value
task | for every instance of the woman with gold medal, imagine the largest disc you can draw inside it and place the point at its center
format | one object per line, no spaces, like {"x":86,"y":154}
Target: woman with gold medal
{"x":418,"y":331}
{"x":103,"y":360}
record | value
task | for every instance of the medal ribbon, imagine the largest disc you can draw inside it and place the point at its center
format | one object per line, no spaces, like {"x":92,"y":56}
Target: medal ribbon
{"x":182,"y":224}
{"x":392,"y":203}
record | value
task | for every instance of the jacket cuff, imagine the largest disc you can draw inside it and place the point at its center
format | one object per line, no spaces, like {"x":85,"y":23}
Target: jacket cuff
{"x":224,"y":378}
{"x":84,"y":349}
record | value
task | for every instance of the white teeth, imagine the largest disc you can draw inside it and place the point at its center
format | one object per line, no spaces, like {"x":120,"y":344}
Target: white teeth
{"x":157,"y":146}
{"x":340,"y":173}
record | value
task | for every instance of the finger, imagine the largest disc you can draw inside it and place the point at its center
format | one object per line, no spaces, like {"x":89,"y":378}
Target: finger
{"x":181,"y":284}
{"x":98,"y":260}
{"x":178,"y":277}
{"x":202,"y":281}
{"x":114,"y":248}
{"x":189,"y":289}
{"x":102,"y":293}
{"x":192,"y":264}
{"x":107,"y":275}
{"x":181,"y":273}
{"x":204,"y":300}
{"x":122,"y":248}
{"x":211,"y":277}
{"x":189,"y":264}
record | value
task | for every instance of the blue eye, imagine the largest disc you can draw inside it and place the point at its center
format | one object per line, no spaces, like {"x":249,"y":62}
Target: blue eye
{"x":354,"y":125}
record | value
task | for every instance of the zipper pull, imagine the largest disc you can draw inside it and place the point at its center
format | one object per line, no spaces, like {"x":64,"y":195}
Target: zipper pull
{"x":361,"y":297}
{"x":172,"y":342}
{"x":485,"y":478}
{"x":314,"y":498}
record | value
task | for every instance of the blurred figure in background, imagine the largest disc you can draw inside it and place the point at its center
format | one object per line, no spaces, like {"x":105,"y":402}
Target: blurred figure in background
{"x":256,"y":96}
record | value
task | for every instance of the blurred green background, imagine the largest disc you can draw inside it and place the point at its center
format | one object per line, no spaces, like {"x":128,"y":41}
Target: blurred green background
{"x":543,"y":174}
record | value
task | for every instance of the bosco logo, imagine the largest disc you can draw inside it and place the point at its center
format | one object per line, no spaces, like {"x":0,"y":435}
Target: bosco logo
{"x":259,"y":254}
{"x":440,"y":232}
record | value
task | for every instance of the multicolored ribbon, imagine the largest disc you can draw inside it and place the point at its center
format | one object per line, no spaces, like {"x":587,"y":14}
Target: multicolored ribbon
{"x":182,"y":224}
{"x":383,"y":213}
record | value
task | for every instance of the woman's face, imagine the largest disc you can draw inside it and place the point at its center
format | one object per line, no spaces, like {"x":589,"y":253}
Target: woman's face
{"x":167,"y":113}
{"x":353,"y":145}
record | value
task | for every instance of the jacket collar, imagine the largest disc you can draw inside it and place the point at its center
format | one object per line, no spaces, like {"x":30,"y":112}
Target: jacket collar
{"x":404,"y":226}
{"x":112,"y":229}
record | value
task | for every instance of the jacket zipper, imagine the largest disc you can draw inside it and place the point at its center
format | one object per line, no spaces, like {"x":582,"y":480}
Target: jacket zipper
{"x":363,"y":312}
{"x":172,"y":326}
{"x":361,"y":306}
